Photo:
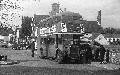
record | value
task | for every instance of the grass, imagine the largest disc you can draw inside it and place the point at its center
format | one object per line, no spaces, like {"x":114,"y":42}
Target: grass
{"x":23,"y":70}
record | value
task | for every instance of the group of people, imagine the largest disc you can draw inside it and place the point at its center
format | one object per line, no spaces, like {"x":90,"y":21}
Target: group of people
{"x":32,"y":47}
{"x":100,"y":54}
{"x":96,"y":53}
{"x":19,"y":46}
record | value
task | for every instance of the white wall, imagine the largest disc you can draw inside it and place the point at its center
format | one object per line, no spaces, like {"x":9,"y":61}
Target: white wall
{"x":100,"y":39}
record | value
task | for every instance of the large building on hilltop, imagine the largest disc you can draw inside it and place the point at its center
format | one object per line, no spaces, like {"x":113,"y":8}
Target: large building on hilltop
{"x":61,"y":22}
{"x":72,"y":21}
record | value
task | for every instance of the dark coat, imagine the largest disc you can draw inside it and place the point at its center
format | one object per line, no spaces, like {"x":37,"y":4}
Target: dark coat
{"x":33,"y":45}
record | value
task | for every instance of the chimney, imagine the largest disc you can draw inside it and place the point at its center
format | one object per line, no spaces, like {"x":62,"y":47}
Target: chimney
{"x":99,"y":17}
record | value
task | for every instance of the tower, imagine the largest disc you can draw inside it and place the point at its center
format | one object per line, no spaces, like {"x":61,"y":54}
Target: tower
{"x":99,"y":17}
{"x":55,"y":9}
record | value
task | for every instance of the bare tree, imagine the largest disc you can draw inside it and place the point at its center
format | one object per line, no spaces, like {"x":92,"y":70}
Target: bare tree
{"x":10,"y":11}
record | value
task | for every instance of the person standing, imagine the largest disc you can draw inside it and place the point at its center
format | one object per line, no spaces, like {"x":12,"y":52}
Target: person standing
{"x":102,"y":53}
{"x":107,"y":56}
{"x":97,"y":52}
{"x":57,"y":51}
{"x":33,"y":48}
{"x":41,"y":51}
{"x":65,"y":58}
{"x":88,"y":54}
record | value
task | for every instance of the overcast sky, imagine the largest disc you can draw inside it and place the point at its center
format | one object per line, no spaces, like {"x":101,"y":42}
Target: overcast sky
{"x":87,"y":8}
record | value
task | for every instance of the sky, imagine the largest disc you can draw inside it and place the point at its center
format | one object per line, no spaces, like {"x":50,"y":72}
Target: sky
{"x":87,"y":8}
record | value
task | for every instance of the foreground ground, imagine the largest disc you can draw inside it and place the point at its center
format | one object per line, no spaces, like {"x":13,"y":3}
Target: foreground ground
{"x":37,"y":66}
{"x":23,"y":70}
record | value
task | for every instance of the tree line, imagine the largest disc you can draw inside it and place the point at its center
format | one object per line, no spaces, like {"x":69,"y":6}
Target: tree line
{"x":26,"y":28}
{"x":110,"y":30}
{"x":5,"y":31}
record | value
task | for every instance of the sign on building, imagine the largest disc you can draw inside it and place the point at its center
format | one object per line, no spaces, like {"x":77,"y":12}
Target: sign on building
{"x":53,"y":28}
{"x":82,"y":28}
{"x":45,"y":31}
{"x":63,"y":27}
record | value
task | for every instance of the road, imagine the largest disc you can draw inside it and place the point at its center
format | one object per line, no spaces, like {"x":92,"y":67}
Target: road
{"x":36,"y":65}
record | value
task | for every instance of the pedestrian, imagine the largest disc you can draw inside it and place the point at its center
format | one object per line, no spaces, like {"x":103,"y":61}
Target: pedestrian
{"x":33,"y":48}
{"x":102,"y":53}
{"x":107,"y":56}
{"x":65,"y":57}
{"x":88,"y":54}
{"x":41,"y":50}
{"x":93,"y":52}
{"x":57,"y":51}
{"x":97,"y":52}
{"x":66,"y":50}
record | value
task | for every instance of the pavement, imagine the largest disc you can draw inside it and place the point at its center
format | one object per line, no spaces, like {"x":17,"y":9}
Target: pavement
{"x":24,"y":56}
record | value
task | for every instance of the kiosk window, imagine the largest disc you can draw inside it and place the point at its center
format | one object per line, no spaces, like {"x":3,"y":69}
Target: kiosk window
{"x":47,"y":41}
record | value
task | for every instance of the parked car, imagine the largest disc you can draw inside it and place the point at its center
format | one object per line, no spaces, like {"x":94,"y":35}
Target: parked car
{"x":10,"y":45}
{"x":3,"y":44}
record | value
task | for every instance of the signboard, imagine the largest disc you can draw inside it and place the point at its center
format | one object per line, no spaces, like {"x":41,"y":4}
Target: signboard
{"x":63,"y":27}
{"x":81,"y":28}
{"x":53,"y":29}
{"x":44,"y":30}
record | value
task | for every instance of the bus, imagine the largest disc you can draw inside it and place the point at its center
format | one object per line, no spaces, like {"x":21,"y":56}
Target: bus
{"x":70,"y":42}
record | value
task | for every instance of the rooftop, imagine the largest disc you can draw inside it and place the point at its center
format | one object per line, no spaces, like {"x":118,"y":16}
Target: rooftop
{"x":38,"y":18}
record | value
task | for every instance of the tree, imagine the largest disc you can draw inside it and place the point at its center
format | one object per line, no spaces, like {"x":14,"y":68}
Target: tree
{"x":10,"y":12}
{"x":26,"y":28}
{"x":110,"y":30}
{"x":5,"y":30}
